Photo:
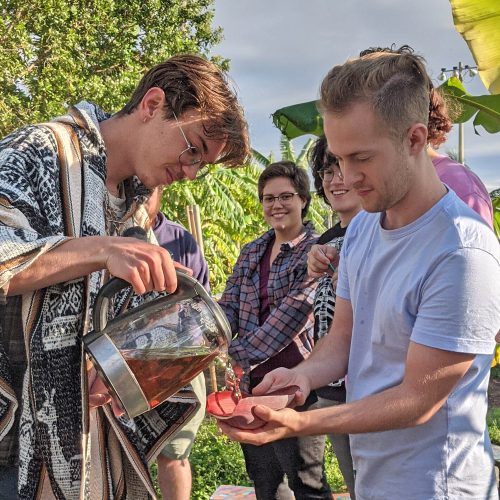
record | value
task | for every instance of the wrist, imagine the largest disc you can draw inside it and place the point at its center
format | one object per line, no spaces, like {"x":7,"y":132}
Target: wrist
{"x":101,"y":247}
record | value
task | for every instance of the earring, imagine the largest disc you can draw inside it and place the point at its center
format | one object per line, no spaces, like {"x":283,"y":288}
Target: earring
{"x":145,"y":119}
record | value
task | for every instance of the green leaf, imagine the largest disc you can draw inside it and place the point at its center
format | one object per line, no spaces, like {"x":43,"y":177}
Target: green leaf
{"x":59,"y":52}
{"x":496,"y":214}
{"x":299,"y":119}
{"x":485,"y":108}
{"x":260,"y":158}
{"x":478,"y":21}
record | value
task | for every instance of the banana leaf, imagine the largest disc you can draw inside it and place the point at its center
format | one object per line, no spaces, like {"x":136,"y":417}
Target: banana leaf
{"x":495,"y":201}
{"x":478,"y":21}
{"x":299,"y":119}
{"x":304,"y":118}
{"x":484,"y":108}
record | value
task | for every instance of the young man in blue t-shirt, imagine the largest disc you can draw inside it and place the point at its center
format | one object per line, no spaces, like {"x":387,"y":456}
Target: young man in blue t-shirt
{"x":417,"y":302}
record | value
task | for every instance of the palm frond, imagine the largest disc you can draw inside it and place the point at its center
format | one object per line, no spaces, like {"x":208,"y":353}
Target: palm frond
{"x":260,"y":158}
{"x":302,"y":159}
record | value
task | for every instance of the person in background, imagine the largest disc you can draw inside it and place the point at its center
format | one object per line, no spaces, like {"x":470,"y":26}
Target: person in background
{"x":329,"y":184}
{"x":268,"y":303}
{"x":416,"y":311}
{"x":174,"y":469}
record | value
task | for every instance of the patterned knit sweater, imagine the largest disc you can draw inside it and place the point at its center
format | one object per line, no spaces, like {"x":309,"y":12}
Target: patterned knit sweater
{"x":43,"y":388}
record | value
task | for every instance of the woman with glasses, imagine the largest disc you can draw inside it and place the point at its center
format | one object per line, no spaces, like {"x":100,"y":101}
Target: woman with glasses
{"x":346,"y":204}
{"x":268,"y":302}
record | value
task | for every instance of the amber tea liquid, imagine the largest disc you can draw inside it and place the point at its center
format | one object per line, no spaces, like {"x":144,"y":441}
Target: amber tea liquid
{"x":162,"y":372}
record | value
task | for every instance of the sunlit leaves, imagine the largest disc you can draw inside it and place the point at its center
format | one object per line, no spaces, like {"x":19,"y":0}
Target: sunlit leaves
{"x":485,"y":109}
{"x":478,"y":21}
{"x":56,"y":52}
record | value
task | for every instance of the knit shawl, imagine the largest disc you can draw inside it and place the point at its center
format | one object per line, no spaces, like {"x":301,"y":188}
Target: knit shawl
{"x":54,"y":419}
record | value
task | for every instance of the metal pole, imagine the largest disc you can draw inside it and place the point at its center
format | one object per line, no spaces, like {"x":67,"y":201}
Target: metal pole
{"x":461,"y":145}
{"x":198,"y":235}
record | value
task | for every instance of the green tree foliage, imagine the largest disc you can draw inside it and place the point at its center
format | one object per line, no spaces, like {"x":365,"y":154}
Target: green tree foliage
{"x":56,"y":52}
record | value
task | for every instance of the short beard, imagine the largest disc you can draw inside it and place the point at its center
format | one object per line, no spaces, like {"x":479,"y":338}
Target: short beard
{"x":398,"y":186}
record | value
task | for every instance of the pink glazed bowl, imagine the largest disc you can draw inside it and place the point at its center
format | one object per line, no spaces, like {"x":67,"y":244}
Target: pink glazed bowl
{"x":224,"y":406}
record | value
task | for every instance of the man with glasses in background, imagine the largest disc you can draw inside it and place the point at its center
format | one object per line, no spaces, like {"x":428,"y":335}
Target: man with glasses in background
{"x":66,"y":197}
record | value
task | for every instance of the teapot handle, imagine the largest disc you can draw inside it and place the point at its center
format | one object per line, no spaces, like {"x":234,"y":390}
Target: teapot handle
{"x":113,"y":286}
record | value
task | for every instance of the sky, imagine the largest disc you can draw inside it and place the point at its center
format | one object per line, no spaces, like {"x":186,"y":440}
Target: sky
{"x":280,"y":50}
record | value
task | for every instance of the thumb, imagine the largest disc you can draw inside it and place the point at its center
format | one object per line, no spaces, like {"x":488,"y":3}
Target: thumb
{"x":263,"y":412}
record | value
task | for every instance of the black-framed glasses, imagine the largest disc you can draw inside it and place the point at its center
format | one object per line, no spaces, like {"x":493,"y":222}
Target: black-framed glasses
{"x":328,"y":173}
{"x":268,"y":199}
{"x":190,"y":156}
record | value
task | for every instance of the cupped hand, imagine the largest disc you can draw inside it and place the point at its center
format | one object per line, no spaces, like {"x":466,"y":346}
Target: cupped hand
{"x":279,"y":425}
{"x":319,"y":258}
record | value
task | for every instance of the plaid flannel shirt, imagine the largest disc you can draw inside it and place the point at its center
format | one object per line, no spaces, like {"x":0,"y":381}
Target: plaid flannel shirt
{"x":291,"y":294}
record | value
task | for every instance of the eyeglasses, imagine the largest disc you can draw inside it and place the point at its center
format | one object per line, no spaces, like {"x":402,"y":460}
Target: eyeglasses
{"x":327,"y":174}
{"x":284,"y":198}
{"x":190,"y":156}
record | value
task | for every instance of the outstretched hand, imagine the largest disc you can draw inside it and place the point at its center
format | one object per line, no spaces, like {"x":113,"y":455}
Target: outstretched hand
{"x":281,"y":378}
{"x":279,"y":425}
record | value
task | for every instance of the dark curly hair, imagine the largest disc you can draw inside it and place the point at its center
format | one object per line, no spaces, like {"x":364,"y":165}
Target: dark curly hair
{"x":439,"y":120}
{"x":319,"y":159}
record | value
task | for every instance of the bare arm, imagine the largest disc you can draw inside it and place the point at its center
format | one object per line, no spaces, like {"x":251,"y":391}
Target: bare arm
{"x":430,"y":376}
{"x":145,"y":266}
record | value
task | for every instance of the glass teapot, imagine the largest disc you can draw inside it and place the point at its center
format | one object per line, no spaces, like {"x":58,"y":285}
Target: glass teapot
{"x":147,"y":354}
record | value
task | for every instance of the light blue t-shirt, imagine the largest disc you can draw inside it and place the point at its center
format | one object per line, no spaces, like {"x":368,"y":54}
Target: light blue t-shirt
{"x":435,"y":282}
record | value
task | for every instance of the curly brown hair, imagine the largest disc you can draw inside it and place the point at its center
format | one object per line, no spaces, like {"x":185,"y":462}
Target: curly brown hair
{"x":319,"y":159}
